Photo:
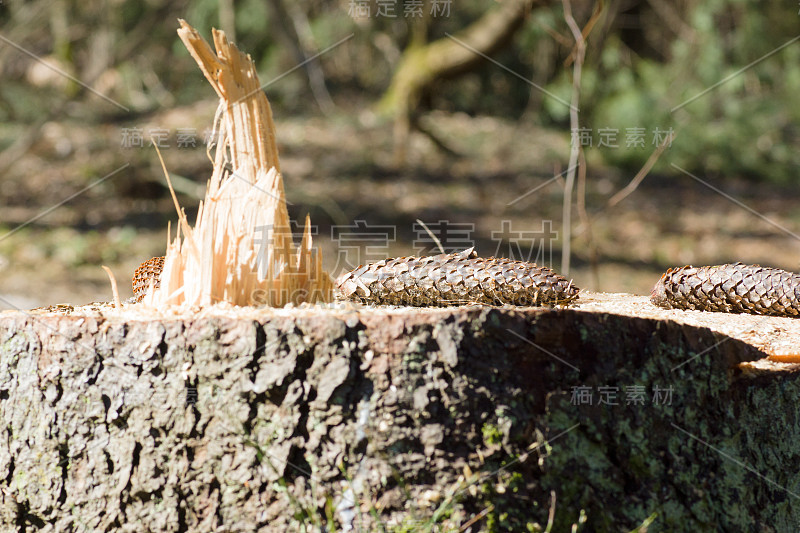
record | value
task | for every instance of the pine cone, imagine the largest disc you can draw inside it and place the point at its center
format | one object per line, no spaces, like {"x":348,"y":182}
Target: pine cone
{"x":732,"y":288}
{"x":149,"y":270}
{"x":458,"y":278}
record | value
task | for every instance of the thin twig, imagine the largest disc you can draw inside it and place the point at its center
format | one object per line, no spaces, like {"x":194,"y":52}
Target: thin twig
{"x":580,"y":54}
{"x":634,"y":183}
{"x":672,"y":19}
{"x":586,"y":222}
{"x":435,"y":239}
{"x":298,"y":36}
{"x":598,"y":9}
{"x":555,"y":34}
{"x":551,"y":517}
{"x":477,"y":517}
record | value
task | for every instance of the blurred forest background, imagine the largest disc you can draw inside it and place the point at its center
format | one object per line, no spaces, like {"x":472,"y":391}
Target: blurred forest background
{"x":455,"y":113}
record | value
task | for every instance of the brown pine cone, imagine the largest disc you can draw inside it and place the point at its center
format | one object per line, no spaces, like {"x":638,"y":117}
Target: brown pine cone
{"x":149,"y":270}
{"x":451,"y":279}
{"x":732,"y":288}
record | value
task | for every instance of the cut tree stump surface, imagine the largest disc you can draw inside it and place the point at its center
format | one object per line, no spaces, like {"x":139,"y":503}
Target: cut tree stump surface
{"x":240,"y":419}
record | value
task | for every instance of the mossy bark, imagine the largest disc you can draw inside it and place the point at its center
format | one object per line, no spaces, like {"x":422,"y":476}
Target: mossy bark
{"x":419,"y":419}
{"x":422,"y":63}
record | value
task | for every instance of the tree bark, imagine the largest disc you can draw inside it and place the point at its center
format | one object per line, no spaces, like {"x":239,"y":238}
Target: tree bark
{"x":268,"y":420}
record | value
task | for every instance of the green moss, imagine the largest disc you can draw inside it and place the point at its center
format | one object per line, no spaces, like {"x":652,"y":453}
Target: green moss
{"x":491,"y":434}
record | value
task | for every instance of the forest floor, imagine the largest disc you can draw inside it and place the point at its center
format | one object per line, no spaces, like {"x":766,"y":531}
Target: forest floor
{"x":494,"y":190}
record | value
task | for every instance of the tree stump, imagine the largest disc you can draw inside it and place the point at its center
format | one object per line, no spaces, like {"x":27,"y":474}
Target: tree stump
{"x":354,"y":418}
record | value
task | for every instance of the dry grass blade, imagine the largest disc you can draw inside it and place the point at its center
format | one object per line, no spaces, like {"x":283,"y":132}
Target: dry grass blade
{"x":114,"y":288}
